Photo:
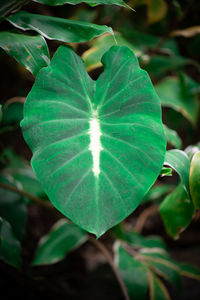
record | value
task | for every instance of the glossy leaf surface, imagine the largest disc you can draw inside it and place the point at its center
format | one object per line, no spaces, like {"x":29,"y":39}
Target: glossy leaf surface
{"x":63,"y":238}
{"x":10,"y":249}
{"x":65,"y":30}
{"x":94,"y":138}
{"x":60,"y":2}
{"x":176,"y":211}
{"x":195,"y":180}
{"x":30,"y":51}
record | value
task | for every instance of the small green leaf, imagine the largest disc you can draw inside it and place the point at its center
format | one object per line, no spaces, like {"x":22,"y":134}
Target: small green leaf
{"x":133,"y":273}
{"x":63,"y":238}
{"x":176,"y":211}
{"x":179,"y":161}
{"x":166,"y":172}
{"x":10,"y":249}
{"x":91,"y":2}
{"x":195,"y":180}
{"x":179,"y":94}
{"x":30,"y":51}
{"x":69,"y":31}
{"x":172,"y":137}
{"x":94,"y":138}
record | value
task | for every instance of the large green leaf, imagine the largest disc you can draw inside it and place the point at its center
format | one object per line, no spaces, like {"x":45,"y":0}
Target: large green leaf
{"x":60,"y":2}
{"x":10,"y":249}
{"x":97,"y":146}
{"x":30,"y":51}
{"x":63,"y":238}
{"x":179,"y":161}
{"x":195,"y":180}
{"x":133,"y":273}
{"x":176,"y":211}
{"x":179,"y":94}
{"x":159,"y":65}
{"x":69,"y":31}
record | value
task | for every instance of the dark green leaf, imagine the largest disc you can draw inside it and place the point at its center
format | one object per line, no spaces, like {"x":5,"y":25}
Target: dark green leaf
{"x":10,"y":249}
{"x":195,"y":180}
{"x":18,"y":172}
{"x":160,"y":65}
{"x":133,"y":273}
{"x":173,"y":138}
{"x":138,"y":241}
{"x":157,"y":192}
{"x":13,"y":209}
{"x":94,"y":138}
{"x":179,"y":95}
{"x":176,"y":211}
{"x":63,"y":238}
{"x":30,"y":51}
{"x":69,"y":31}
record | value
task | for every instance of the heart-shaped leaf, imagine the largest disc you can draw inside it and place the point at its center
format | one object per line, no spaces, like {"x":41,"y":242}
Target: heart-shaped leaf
{"x":97,"y":146}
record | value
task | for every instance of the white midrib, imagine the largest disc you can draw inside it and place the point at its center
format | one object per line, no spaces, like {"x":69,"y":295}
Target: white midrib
{"x":95,"y":143}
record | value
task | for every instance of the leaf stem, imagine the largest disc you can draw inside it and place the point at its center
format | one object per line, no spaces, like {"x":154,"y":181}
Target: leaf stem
{"x":107,"y":255}
{"x":26,"y":194}
{"x":95,"y":242}
{"x":15,"y":6}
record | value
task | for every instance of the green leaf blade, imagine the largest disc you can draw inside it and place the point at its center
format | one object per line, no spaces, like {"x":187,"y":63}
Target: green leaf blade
{"x":97,"y":137}
{"x":30,"y":51}
{"x":65,"y":30}
{"x":62,"y":238}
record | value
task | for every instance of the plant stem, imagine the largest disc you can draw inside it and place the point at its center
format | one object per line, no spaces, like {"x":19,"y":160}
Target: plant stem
{"x":26,"y":194}
{"x":95,"y":242}
{"x":107,"y":255}
{"x":15,"y":6}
